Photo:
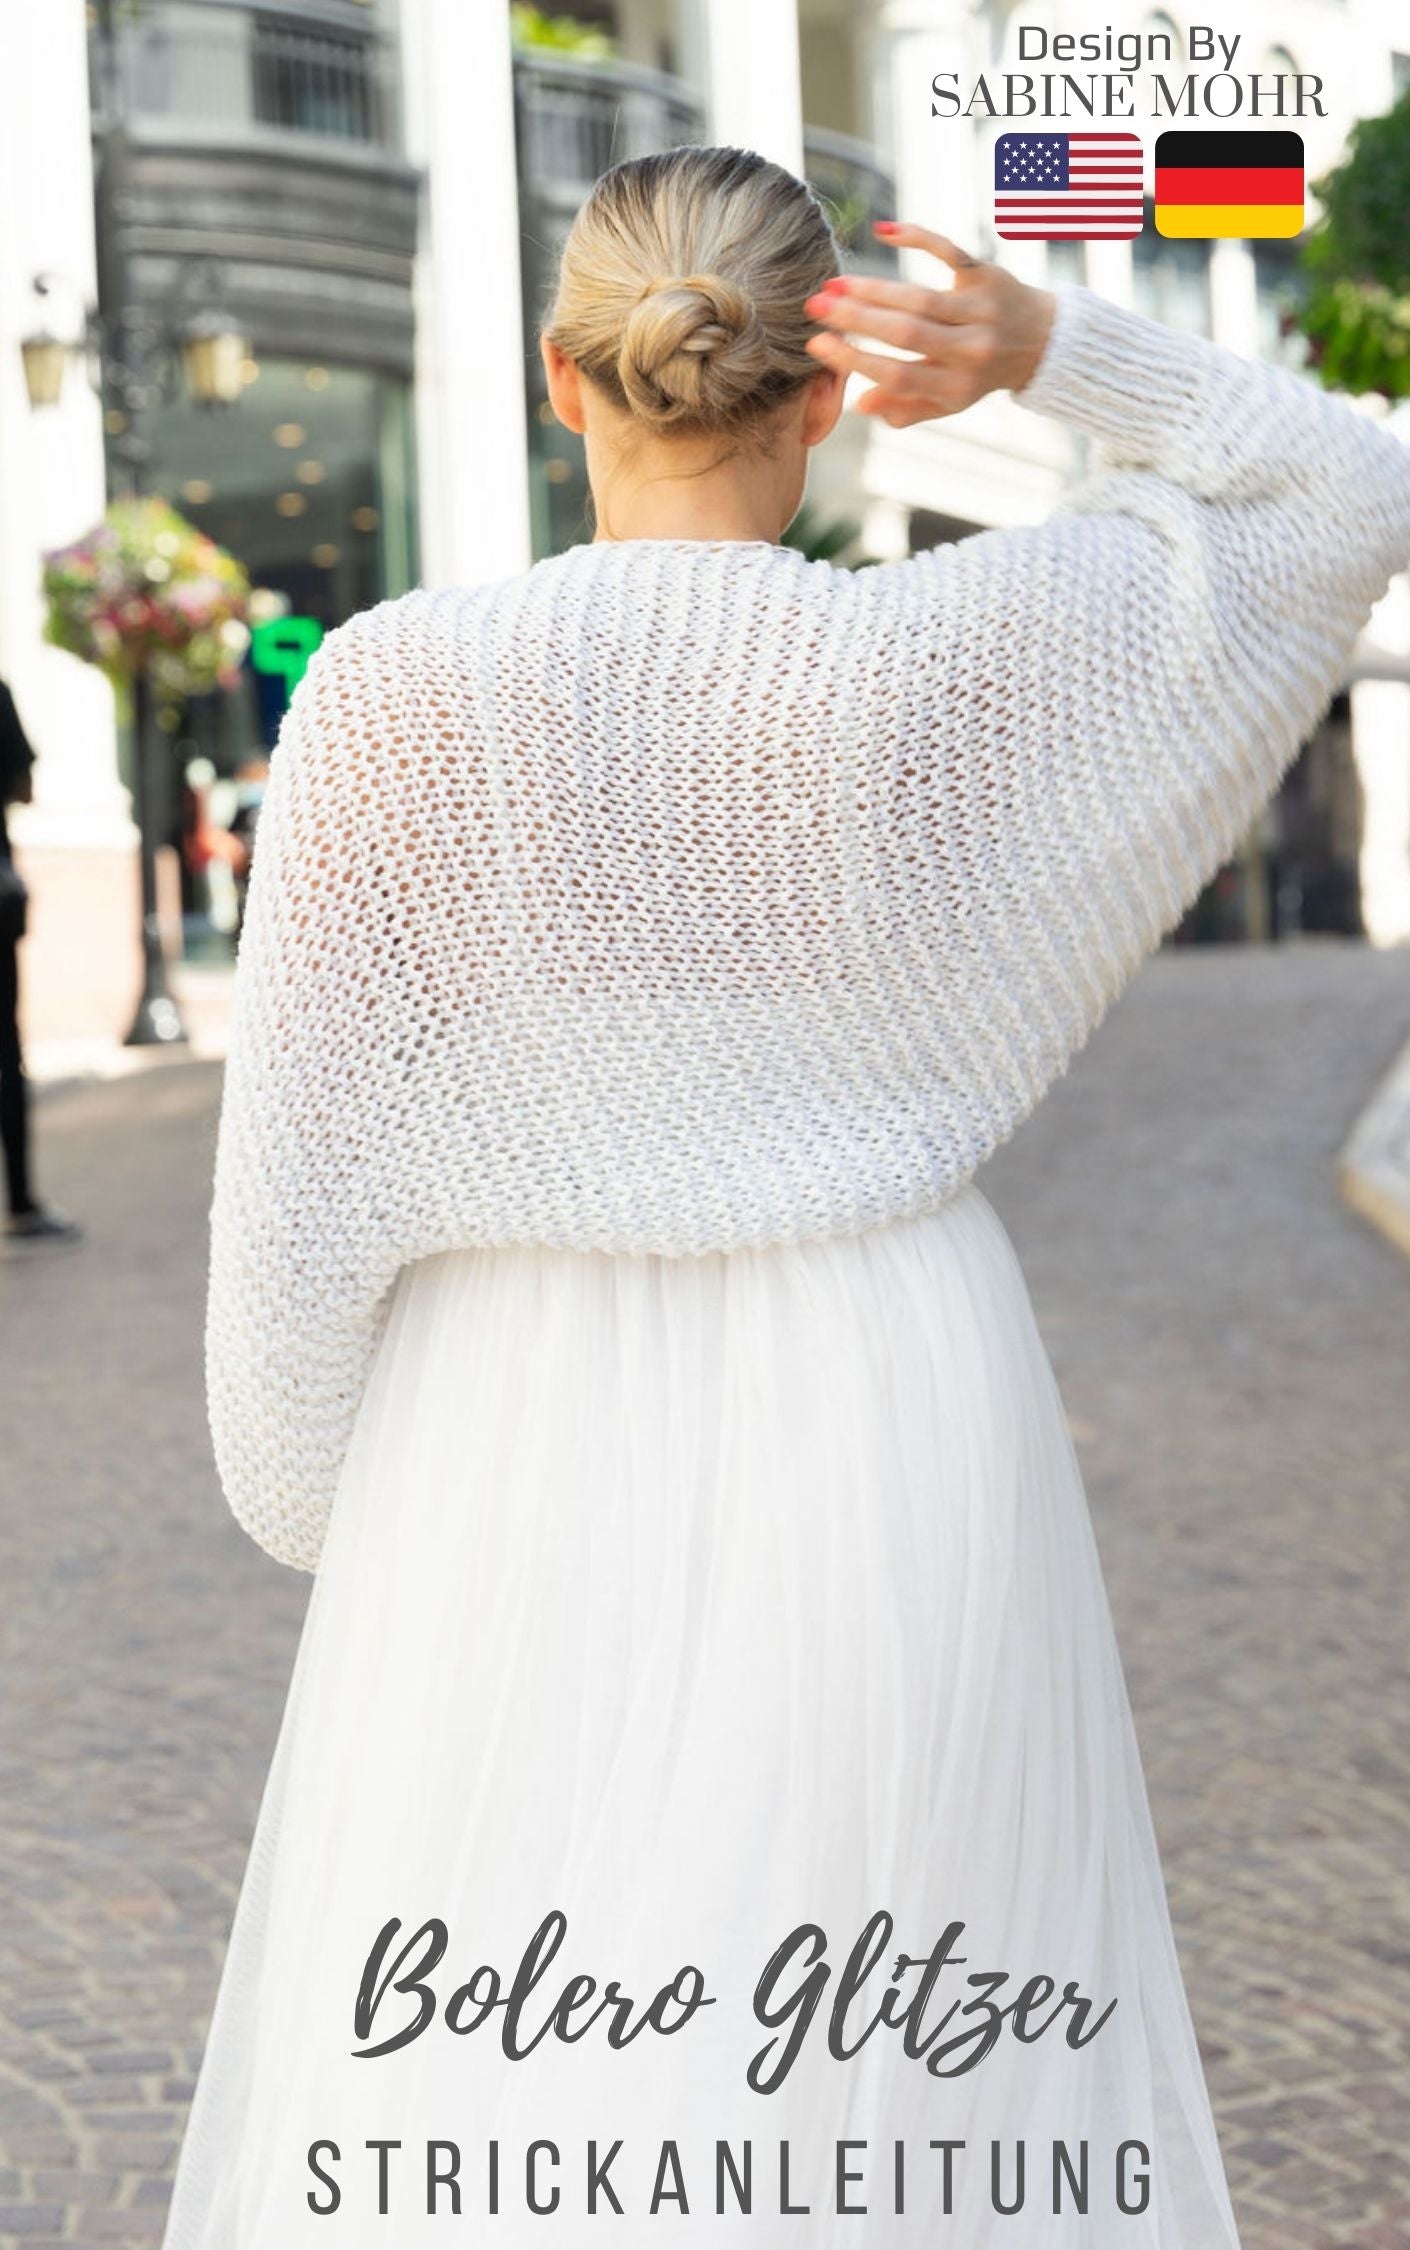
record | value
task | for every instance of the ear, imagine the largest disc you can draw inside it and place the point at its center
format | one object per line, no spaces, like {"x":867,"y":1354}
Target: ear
{"x":823,"y":405}
{"x":565,"y":386}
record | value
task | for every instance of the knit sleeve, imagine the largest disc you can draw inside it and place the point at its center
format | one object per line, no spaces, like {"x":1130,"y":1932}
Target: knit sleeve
{"x":1071,"y":727}
{"x":306,"y":1226}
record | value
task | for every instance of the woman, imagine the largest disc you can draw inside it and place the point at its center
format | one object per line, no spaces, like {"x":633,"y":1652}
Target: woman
{"x":643,"y":954}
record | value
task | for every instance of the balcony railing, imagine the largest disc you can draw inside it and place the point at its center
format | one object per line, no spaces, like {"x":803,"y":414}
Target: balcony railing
{"x":853,"y":189}
{"x":226,"y":66}
{"x":316,"y":81}
{"x":576,"y":119}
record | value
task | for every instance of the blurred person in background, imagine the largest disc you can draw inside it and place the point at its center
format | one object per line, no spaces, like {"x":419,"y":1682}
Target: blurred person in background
{"x":250,"y":785}
{"x":28,"y":1219}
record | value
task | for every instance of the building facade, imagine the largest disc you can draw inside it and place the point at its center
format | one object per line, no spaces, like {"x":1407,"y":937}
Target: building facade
{"x":376,"y":189}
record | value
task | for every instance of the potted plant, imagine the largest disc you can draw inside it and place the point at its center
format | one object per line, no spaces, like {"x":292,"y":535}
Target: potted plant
{"x":146,"y":596}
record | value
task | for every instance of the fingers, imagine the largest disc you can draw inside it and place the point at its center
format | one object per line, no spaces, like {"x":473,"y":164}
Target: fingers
{"x":950,"y":332}
{"x":911,"y":297}
{"x":905,"y":236}
{"x":890,"y":374}
{"x":914,"y":320}
{"x":902,"y":414}
{"x":903,"y":390}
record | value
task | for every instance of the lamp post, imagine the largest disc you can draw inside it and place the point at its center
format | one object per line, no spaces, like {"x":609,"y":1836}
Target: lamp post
{"x":132,"y":358}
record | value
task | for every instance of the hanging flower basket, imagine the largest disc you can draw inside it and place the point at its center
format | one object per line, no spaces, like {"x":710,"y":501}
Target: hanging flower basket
{"x":145,"y":592}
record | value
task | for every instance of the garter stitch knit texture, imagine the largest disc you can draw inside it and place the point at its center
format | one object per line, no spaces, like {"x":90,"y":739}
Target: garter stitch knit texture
{"x":675,"y":895}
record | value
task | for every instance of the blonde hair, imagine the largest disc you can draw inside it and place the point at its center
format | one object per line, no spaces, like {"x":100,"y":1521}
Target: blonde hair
{"x":682,"y":283}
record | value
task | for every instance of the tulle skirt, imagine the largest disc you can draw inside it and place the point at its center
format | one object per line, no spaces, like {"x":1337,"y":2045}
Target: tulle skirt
{"x":707,"y":1798}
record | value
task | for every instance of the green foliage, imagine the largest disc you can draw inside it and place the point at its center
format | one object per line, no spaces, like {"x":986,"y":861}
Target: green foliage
{"x":822,"y":539}
{"x":847,"y":216}
{"x":1357,"y":262}
{"x":560,"y":35}
{"x":1360,"y":337}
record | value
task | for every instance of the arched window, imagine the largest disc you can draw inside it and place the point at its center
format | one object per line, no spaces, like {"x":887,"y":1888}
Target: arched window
{"x":1067,"y":262}
{"x":1164,"y":26}
{"x":1280,"y":289}
{"x":1170,"y":279}
{"x":1003,"y":29}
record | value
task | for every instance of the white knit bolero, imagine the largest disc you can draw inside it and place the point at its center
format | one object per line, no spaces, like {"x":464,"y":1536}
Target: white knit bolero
{"x":674,"y":895}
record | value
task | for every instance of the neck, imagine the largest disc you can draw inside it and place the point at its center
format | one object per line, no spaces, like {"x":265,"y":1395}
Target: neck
{"x":660,"y":514}
{"x":708,"y":534}
{"x":674,"y":493}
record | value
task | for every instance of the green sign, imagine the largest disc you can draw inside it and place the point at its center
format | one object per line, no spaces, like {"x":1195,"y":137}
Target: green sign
{"x":283,"y":646}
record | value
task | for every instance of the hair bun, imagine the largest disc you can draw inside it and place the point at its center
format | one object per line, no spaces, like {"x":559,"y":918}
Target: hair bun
{"x":682,"y":289}
{"x":691,"y":350}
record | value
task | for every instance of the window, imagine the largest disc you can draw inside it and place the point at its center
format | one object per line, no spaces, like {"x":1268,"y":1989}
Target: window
{"x":1170,"y":279}
{"x":1399,"y":74}
{"x":313,"y":80}
{"x":308,"y":481}
{"x":1067,"y":262}
{"x":1276,"y":84}
{"x":1164,"y":26}
{"x":234,"y":66}
{"x":1279,"y":284}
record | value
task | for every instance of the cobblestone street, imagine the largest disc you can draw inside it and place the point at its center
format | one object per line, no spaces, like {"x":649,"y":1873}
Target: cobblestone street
{"x":1232,"y":1344}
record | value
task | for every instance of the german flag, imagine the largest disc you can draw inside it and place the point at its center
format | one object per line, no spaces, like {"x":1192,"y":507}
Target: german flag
{"x":1214,"y":184}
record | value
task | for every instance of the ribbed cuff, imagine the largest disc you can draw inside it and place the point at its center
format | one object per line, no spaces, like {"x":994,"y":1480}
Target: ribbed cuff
{"x":1131,"y":383}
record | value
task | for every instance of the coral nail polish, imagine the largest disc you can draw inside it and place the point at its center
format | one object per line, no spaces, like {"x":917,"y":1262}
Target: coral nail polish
{"x":885,"y":226}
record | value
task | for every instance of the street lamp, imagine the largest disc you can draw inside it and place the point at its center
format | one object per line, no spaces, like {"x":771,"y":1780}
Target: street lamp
{"x":214,"y":355}
{"x":132,"y":362}
{"x":45,"y":359}
{"x":132,"y":359}
{"x":211,"y":348}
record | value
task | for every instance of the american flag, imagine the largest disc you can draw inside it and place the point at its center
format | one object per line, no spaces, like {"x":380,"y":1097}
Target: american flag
{"x":1073,"y":187}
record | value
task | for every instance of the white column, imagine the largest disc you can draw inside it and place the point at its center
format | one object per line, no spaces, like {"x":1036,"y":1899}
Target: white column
{"x":1109,"y":271}
{"x":1233,"y":295}
{"x":938,"y":163}
{"x":753,"y":91}
{"x":472,"y":431}
{"x":1380,"y":739}
{"x":994,"y":464}
{"x":51,"y":458}
{"x":692,"y":55}
{"x":886,"y":529}
{"x":75,"y":844}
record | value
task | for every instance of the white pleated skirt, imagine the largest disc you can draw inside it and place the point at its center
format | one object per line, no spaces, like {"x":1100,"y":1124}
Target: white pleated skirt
{"x":729,"y":1632}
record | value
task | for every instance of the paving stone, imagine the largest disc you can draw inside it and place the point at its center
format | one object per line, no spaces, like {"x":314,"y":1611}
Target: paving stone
{"x":76,"y":2187}
{"x":1229,"y":1340}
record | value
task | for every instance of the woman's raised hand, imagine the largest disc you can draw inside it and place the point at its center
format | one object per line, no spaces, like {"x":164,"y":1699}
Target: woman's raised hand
{"x":986,"y":332}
